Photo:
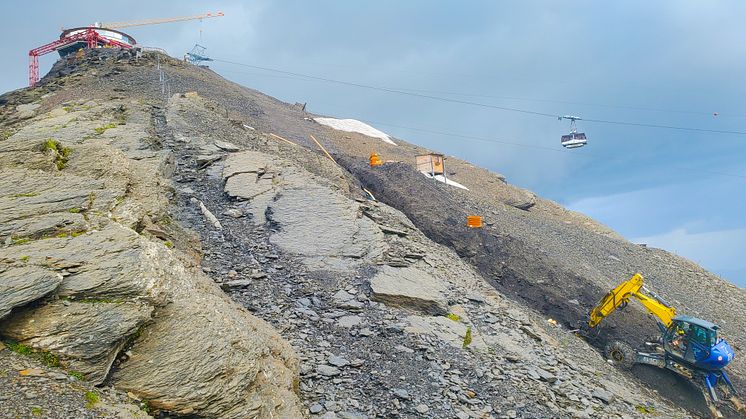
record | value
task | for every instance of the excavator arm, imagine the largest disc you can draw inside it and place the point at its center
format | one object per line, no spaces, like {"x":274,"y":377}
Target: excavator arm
{"x":619,"y":297}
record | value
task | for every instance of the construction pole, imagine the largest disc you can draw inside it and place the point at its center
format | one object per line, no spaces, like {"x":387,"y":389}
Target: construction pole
{"x":323,"y":149}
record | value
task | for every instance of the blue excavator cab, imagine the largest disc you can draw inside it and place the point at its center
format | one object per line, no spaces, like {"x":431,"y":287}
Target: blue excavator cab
{"x":696,"y":342}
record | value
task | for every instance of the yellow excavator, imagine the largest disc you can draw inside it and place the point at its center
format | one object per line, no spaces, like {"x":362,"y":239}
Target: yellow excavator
{"x":687,"y":345}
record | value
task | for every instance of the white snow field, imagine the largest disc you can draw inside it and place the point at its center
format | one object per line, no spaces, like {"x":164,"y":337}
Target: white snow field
{"x":353,"y":125}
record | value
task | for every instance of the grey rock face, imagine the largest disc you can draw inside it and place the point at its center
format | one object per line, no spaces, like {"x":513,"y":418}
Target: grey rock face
{"x":224,"y":145}
{"x":190,"y":349}
{"x":349,"y":321}
{"x":88,"y":335}
{"x":34,"y":204}
{"x":411,"y":288}
{"x":603,"y":395}
{"x":323,"y":227}
{"x":327,"y":370}
{"x":23,"y":284}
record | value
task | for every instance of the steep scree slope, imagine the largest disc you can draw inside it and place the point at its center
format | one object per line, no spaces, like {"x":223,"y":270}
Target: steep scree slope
{"x":366,"y":319}
{"x":573,"y":251}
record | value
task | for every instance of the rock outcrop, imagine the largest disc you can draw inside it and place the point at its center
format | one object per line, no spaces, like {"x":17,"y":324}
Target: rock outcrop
{"x":409,"y":287}
{"x":78,"y":182}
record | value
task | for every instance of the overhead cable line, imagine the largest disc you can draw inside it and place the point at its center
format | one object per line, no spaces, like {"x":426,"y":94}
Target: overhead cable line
{"x":484,"y":105}
{"x":490,"y":140}
{"x":568,"y":102}
{"x":386,"y":89}
{"x":502,"y":97}
{"x":583,"y":153}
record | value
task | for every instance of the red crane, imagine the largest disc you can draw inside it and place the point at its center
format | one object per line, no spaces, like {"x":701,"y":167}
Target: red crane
{"x":91,"y":37}
{"x":95,"y":36}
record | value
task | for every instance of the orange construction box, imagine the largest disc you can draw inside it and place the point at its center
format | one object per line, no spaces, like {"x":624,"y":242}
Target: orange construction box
{"x":375,"y":160}
{"x":474,"y":221}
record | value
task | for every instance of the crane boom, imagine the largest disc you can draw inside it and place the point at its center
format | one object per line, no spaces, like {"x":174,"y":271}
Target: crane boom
{"x":143,"y":22}
{"x":619,"y":297}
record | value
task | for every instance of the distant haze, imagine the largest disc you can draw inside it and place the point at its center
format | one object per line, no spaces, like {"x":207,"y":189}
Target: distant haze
{"x":665,"y":63}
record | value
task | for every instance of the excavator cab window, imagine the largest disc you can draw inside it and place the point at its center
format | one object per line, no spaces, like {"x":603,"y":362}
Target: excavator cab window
{"x":689,"y":341}
{"x":701,"y":340}
{"x":703,"y":336}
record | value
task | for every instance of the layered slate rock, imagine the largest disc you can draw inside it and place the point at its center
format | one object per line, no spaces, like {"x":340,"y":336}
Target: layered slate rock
{"x":411,"y":288}
{"x":80,"y":283}
{"x":323,"y":227}
{"x":34,"y":204}
{"x":237,"y":366}
{"x":310,"y":220}
{"x":20,"y":285}
{"x":87,"y":334}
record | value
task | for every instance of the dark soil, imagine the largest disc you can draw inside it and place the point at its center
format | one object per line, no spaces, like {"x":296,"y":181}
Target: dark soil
{"x":516,"y":271}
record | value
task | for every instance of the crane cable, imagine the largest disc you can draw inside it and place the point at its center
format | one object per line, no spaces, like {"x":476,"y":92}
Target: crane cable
{"x":479,"y":104}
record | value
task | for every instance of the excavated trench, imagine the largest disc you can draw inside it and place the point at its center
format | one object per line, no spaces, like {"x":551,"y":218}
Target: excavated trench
{"x":514,"y":267}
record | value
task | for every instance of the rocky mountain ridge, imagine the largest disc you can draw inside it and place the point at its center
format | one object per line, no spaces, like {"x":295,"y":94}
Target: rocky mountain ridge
{"x":175,"y":249}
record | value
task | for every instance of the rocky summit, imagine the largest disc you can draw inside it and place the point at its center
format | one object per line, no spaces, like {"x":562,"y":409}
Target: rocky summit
{"x":197,"y":254}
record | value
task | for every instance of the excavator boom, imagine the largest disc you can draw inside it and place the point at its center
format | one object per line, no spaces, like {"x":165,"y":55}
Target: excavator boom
{"x":619,"y":297}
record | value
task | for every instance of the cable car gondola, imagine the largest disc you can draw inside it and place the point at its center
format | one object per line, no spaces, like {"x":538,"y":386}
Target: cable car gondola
{"x":574,"y":139}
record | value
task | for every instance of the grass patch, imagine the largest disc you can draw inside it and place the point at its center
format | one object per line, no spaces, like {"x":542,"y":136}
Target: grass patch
{"x":48,"y":359}
{"x":648,"y":410}
{"x":25,"y":195}
{"x":91,"y":399}
{"x":36,"y":411}
{"x":25,"y":259}
{"x":145,"y":406}
{"x":74,"y":210}
{"x":169,"y":244}
{"x":467,"y":337}
{"x":101,"y":130}
{"x":77,"y":375}
{"x":61,"y":154}
{"x":454,"y":317}
{"x":20,"y":240}
{"x":66,"y":234}
{"x":19,"y":348}
{"x":67,"y":108}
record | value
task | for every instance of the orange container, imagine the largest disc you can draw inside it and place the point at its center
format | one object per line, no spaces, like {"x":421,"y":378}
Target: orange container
{"x":375,"y":160}
{"x":474,"y":221}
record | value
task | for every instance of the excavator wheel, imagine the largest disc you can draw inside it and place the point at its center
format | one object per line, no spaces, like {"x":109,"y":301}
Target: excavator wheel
{"x":621,"y":354}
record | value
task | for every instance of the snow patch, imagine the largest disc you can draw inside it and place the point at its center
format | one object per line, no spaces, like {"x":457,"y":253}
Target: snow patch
{"x":353,"y":125}
{"x":441,"y":178}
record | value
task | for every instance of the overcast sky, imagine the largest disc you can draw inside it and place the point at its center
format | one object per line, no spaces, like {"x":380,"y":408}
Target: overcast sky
{"x":664,"y":63}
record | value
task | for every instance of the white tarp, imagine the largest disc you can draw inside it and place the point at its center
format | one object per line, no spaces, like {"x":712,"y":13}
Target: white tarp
{"x":441,"y":178}
{"x":353,"y":125}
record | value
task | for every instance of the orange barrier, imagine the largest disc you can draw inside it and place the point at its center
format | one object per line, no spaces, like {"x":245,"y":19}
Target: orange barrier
{"x":474,"y":221}
{"x":375,"y":160}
